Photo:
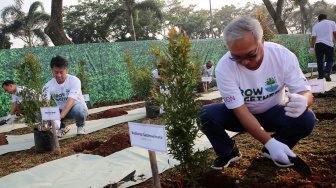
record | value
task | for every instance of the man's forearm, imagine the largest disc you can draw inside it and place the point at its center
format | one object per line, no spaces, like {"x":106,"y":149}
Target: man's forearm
{"x":251,"y":124}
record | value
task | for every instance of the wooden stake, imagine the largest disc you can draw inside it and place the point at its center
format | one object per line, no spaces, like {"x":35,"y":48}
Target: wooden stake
{"x":57,"y":147}
{"x":155,"y":172}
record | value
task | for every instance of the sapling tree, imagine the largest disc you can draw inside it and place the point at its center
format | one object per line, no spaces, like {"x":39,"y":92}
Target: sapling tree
{"x":83,"y":77}
{"x":179,"y":80}
{"x":29,"y":76}
{"x":140,"y":77}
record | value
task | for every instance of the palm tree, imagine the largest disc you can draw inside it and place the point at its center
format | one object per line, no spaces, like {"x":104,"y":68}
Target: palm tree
{"x":130,"y":8}
{"x":27,"y":27}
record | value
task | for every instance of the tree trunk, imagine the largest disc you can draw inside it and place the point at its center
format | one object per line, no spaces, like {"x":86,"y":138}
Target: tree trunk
{"x":279,"y":24}
{"x":55,"y":29}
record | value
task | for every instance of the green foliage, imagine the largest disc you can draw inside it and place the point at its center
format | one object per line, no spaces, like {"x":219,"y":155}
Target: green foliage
{"x":261,"y":16}
{"x":180,"y":77}
{"x":140,"y":78}
{"x":83,"y":77}
{"x":29,"y":76}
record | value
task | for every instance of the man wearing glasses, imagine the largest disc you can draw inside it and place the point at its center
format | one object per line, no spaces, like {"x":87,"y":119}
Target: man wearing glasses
{"x":251,"y":78}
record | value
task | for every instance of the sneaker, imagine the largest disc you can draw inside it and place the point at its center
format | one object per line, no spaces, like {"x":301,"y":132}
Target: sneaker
{"x":266,"y":154}
{"x":80,"y":131}
{"x":61,"y":132}
{"x":327,"y":77}
{"x":222,"y":162}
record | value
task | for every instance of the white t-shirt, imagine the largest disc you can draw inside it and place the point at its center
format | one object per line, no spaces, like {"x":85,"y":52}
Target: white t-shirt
{"x":16,"y":96}
{"x":324,"y":32}
{"x":263,"y":88}
{"x":155,"y":74}
{"x":207,"y":72}
{"x":71,"y":87}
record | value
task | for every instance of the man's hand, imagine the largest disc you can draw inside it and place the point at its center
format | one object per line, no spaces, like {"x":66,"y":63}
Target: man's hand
{"x":296,"y":105}
{"x":8,"y":117}
{"x":279,"y":152}
{"x":312,"y":51}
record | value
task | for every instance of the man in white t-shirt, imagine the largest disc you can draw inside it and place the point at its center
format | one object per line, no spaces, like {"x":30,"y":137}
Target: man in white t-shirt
{"x":323,"y":34}
{"x":251,"y":78}
{"x":65,"y":89}
{"x":207,"y":71}
{"x":10,"y":87}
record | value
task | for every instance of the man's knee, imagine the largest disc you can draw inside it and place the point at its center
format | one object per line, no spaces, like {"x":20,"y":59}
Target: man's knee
{"x":308,"y":122}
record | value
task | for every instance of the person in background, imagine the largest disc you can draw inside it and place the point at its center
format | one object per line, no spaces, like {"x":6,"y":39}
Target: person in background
{"x":10,"y":87}
{"x":323,"y":34}
{"x":207,"y":71}
{"x":251,"y":78}
{"x":65,"y":89}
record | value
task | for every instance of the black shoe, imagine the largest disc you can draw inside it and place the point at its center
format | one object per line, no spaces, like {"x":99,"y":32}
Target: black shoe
{"x":222,"y":162}
{"x":327,"y":77}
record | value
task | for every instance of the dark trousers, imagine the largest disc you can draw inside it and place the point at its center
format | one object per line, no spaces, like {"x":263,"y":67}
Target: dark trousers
{"x":324,"y":53}
{"x":216,"y":118}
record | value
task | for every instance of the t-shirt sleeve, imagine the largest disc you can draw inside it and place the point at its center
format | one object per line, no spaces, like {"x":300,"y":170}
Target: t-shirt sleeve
{"x":295,"y":80}
{"x":75,"y":90}
{"x":227,"y":86}
{"x":14,"y":98}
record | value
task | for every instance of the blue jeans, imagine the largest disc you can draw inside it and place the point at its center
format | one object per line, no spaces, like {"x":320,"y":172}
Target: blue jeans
{"x":78,"y":112}
{"x":216,"y":118}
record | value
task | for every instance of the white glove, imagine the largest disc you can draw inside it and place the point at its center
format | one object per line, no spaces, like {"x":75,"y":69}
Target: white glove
{"x":312,"y":51}
{"x":57,"y":124}
{"x":279,"y":152}
{"x":296,"y":105}
{"x":8,"y":117}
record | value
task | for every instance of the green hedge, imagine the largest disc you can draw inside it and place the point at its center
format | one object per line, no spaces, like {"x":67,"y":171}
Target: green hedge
{"x":106,"y":70}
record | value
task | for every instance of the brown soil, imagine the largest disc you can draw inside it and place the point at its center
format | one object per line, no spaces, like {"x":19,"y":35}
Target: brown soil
{"x":3,"y":140}
{"x":253,"y":170}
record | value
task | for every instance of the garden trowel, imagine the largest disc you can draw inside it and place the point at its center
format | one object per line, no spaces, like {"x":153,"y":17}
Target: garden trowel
{"x":300,"y":166}
{"x":2,"y":122}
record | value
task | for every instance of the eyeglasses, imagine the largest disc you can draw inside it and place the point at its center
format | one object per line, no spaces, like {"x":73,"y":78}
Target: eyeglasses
{"x":249,"y":57}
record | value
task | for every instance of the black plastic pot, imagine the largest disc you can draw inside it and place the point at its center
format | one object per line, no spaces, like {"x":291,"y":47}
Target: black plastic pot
{"x":152,"y":111}
{"x":44,"y":141}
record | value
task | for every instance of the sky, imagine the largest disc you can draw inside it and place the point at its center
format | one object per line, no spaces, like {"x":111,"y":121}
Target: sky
{"x":201,"y":4}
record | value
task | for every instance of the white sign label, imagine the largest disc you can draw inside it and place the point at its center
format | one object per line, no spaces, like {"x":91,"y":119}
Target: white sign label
{"x":148,"y":136}
{"x":317,"y":86}
{"x":86,"y":97}
{"x":50,"y":113}
{"x":314,"y":65}
{"x":206,"y":79}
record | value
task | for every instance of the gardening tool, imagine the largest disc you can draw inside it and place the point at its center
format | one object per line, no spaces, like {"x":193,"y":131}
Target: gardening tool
{"x":2,"y":122}
{"x":125,"y":179}
{"x":300,"y":166}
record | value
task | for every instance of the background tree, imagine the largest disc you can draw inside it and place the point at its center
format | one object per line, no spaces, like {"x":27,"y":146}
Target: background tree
{"x":276,"y":15}
{"x":4,"y":41}
{"x":55,"y":28}
{"x":28,"y":27}
{"x":129,"y":9}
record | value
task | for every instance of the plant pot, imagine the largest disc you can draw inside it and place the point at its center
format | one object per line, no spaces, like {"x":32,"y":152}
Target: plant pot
{"x":152,"y":111}
{"x":44,"y":141}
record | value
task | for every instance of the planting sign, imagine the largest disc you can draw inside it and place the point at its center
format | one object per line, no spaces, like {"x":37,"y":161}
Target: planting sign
{"x":148,"y":136}
{"x":50,"y":113}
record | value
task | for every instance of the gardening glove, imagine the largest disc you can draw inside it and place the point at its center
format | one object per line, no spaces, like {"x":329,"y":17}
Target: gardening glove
{"x":312,"y":51}
{"x":57,"y":124}
{"x":279,"y":152}
{"x":8,"y":117}
{"x":296,"y":105}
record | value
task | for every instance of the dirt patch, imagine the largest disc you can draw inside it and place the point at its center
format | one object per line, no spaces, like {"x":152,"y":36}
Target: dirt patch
{"x":110,"y":113}
{"x":3,"y":140}
{"x":106,"y":114}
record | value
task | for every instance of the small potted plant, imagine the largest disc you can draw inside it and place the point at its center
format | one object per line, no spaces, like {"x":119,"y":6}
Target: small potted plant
{"x":29,"y":76}
{"x":142,"y":83}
